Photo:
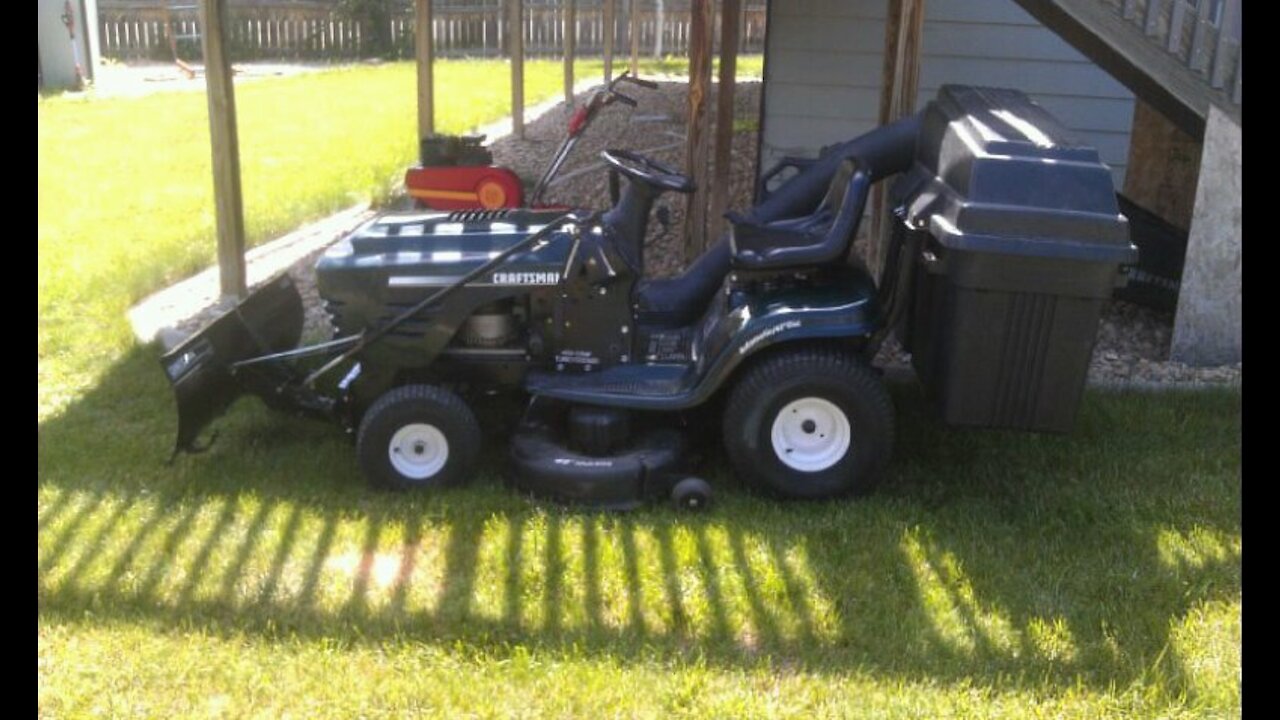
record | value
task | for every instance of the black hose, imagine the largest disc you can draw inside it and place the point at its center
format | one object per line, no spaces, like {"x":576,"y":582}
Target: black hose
{"x":887,"y":150}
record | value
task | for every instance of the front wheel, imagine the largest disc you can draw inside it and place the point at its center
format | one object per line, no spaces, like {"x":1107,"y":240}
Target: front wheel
{"x":809,"y":423}
{"x":418,"y":436}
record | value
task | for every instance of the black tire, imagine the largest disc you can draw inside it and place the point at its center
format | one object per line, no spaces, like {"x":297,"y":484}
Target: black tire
{"x":691,"y":494}
{"x":809,"y":380}
{"x":417,"y":419}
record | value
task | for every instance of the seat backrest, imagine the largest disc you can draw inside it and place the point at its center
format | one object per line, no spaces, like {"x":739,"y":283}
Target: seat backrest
{"x":817,"y":239}
{"x":834,"y":199}
{"x":848,"y":195}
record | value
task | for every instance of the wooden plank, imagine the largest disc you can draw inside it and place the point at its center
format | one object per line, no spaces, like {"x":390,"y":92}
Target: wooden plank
{"x":730,"y":14}
{"x":570,"y":47}
{"x":225,"y":147}
{"x":1226,"y":41}
{"x":516,"y":24}
{"x":422,"y":47}
{"x":1151,"y":25}
{"x":634,"y":34}
{"x":696,"y":145}
{"x":1236,"y":96}
{"x":1173,"y":42}
{"x":610,"y":6}
{"x":1198,"y":58}
{"x":904,"y":29}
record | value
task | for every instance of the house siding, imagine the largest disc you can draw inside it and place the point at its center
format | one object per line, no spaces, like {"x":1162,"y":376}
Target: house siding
{"x":823,"y":74}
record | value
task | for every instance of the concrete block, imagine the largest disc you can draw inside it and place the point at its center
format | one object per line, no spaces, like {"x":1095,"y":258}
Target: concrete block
{"x":1207,"y":329}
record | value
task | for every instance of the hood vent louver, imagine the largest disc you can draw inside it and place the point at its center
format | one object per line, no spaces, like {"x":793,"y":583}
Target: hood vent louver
{"x":465,"y":216}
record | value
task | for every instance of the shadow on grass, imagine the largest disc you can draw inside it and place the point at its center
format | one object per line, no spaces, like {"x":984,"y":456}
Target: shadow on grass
{"x":976,"y":543}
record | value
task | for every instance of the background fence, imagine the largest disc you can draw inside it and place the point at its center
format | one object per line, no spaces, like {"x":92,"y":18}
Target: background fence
{"x":316,"y":29}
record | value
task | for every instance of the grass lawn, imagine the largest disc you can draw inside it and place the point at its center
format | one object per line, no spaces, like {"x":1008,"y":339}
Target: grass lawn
{"x":995,"y":574}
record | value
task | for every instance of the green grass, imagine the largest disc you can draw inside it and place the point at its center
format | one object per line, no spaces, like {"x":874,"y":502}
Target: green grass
{"x":995,"y":574}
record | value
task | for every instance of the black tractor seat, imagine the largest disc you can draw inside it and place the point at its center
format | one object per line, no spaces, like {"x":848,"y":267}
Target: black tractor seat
{"x":817,"y":239}
{"x":677,"y":301}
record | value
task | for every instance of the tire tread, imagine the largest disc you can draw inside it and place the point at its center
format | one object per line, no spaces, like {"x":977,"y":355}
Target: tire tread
{"x":465,"y":441}
{"x":763,"y":377}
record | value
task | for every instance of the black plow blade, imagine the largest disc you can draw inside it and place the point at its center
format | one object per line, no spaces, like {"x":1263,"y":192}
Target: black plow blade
{"x":268,"y":321}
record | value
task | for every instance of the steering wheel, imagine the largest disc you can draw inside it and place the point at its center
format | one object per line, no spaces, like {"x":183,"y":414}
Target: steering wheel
{"x":647,"y":170}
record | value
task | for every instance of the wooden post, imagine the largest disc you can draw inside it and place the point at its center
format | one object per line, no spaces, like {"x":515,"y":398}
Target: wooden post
{"x":634,"y":34}
{"x":730,"y":13}
{"x":608,"y":38}
{"x":659,"y":24}
{"x":903,"y":28}
{"x":423,"y":54}
{"x":570,"y":47}
{"x":228,"y":203}
{"x":516,"y":30}
{"x":696,"y":146}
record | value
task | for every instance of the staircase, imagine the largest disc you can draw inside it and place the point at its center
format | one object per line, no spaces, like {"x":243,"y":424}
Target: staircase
{"x":1180,"y":56}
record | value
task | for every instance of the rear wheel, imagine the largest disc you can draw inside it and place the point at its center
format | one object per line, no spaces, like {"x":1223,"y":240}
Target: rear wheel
{"x":418,"y":436}
{"x":809,"y":423}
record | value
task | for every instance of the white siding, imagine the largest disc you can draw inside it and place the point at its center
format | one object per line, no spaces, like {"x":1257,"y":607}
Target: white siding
{"x":825,"y":64}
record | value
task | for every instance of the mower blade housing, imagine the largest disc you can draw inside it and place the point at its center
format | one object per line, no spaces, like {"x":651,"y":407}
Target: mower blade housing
{"x":269,"y":320}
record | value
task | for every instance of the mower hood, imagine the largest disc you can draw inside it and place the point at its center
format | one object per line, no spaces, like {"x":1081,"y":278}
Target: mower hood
{"x":392,"y":261}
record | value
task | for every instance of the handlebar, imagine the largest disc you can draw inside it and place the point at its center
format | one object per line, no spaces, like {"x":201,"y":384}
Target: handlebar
{"x":642,"y":83}
{"x":611,"y":93}
{"x":624,"y":99}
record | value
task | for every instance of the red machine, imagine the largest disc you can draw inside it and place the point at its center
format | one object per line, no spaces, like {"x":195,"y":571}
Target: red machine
{"x":464,"y":187}
{"x":457,"y":172}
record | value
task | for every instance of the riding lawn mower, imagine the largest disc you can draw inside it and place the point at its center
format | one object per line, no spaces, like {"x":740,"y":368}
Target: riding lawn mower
{"x":1006,"y":240}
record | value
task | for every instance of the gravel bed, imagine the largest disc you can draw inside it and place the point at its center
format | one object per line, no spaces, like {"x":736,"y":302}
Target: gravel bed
{"x":1133,"y":342}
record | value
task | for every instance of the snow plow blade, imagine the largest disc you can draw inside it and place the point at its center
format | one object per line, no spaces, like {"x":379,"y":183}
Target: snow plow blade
{"x":200,"y":370}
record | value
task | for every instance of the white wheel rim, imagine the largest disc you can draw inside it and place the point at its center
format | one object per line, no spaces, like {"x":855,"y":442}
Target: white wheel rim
{"x":418,"y":451}
{"x":811,"y":434}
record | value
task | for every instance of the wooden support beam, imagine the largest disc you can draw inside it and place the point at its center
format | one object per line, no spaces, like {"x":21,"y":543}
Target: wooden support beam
{"x":730,"y":14}
{"x":696,"y":146}
{"x":516,"y":30}
{"x":904,"y":26}
{"x":225,"y":146}
{"x":610,"y":7}
{"x":423,"y":55}
{"x":570,"y":46}
{"x":634,"y":34}
{"x":1164,"y":163}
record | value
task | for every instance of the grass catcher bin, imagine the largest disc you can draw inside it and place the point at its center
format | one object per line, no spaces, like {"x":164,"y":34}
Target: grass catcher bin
{"x":1022,"y":243}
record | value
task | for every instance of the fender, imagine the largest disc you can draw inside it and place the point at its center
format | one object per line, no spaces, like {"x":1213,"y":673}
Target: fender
{"x":789,"y":316}
{"x":734,"y":331}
